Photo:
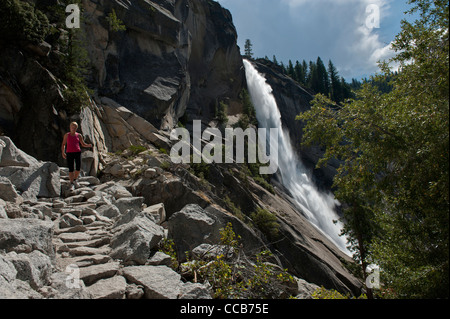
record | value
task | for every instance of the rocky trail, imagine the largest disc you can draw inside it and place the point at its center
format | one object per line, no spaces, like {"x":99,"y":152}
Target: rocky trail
{"x":102,"y":240}
{"x":96,"y":241}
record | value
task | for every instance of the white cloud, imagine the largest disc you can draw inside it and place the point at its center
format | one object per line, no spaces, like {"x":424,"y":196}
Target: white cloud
{"x":346,"y":28}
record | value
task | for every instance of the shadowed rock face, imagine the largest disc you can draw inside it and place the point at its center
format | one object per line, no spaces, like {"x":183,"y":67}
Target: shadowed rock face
{"x":174,"y":56}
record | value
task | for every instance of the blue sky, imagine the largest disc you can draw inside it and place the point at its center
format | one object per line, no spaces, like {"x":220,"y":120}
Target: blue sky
{"x":340,"y":30}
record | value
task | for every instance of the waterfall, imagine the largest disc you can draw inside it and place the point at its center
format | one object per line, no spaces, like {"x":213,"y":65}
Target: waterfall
{"x":318,"y":207}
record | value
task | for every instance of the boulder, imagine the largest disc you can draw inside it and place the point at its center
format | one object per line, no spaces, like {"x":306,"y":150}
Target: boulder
{"x":134,"y":240}
{"x":25,"y":235}
{"x":34,"y":268}
{"x":41,"y":180}
{"x":92,"y":274}
{"x":123,"y":204}
{"x":196,"y":291}
{"x":10,"y":155}
{"x":10,"y":287}
{"x":193,"y":226}
{"x":110,"y":288}
{"x":8,"y":191}
{"x":108,"y":210}
{"x":305,"y":289}
{"x":113,"y":189}
{"x":159,"y":282}
{"x":157,"y":210}
{"x":31,"y":177}
{"x":160,"y":259}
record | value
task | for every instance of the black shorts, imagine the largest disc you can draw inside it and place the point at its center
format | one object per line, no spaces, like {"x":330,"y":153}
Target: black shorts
{"x":74,"y":158}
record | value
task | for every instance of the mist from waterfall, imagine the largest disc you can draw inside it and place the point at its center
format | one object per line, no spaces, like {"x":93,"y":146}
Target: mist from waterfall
{"x":318,"y":207}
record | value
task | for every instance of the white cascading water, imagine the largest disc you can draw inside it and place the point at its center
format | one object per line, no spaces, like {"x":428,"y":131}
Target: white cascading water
{"x":318,"y":207}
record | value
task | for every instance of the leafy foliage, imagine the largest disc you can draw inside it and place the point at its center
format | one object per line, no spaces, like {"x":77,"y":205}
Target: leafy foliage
{"x":394,"y":149}
{"x":266,"y":222}
{"x":322,"y":293}
{"x":115,"y":24}
{"x":242,"y":277}
{"x":22,"y":22}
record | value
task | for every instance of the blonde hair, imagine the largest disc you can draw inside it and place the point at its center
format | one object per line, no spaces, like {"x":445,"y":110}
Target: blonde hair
{"x":74,"y":123}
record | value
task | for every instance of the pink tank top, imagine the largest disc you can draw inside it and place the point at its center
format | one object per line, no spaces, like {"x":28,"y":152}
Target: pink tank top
{"x":73,"y":143}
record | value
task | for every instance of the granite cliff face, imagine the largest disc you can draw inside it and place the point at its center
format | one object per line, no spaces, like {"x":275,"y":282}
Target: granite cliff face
{"x":175,"y":58}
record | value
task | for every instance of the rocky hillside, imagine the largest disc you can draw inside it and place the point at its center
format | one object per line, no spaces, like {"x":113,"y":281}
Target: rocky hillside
{"x":110,"y":232}
{"x":175,"y":61}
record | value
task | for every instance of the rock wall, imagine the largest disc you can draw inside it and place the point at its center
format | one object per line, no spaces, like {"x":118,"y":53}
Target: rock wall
{"x":175,"y":56}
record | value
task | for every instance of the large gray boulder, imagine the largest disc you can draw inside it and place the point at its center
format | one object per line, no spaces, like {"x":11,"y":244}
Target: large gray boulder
{"x":135,"y":239}
{"x":25,"y":235}
{"x":34,"y":268}
{"x":8,"y":282}
{"x":193,"y":226}
{"x":29,"y":176}
{"x":8,"y":191}
{"x":10,"y":155}
{"x":159,"y":282}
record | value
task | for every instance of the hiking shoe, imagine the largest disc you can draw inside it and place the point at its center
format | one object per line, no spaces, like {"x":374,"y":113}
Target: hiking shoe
{"x":72,"y":187}
{"x":75,"y":184}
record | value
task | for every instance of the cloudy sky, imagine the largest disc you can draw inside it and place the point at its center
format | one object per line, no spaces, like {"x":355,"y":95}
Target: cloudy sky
{"x":349,"y":32}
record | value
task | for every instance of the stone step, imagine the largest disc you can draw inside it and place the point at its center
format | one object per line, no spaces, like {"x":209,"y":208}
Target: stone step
{"x":95,"y":243}
{"x":74,"y":237}
{"x":93,"y":273}
{"x":110,"y":288}
{"x":86,"y":251}
{"x":83,"y":261}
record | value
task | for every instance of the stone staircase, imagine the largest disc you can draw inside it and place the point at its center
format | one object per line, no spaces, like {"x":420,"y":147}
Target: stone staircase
{"x":83,"y":242}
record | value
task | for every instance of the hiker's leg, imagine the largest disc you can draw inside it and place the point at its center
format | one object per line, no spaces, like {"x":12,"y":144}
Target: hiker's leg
{"x":77,"y":165}
{"x":70,"y":164}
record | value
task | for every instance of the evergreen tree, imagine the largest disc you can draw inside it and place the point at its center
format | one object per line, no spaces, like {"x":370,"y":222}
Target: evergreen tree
{"x":290,"y":70}
{"x":248,"y":49}
{"x":299,"y":74}
{"x":318,"y":78}
{"x":335,"y":84}
{"x":274,"y":60}
{"x":21,"y":22}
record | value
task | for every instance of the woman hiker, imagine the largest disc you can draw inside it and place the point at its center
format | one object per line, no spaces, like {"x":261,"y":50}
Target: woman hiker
{"x":71,"y":150}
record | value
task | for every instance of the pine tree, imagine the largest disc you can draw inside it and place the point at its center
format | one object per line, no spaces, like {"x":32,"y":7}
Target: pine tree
{"x":335,"y":84}
{"x":290,"y":70}
{"x":299,"y":74}
{"x":248,"y":49}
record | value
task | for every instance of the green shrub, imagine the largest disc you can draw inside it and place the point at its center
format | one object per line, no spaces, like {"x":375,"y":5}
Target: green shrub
{"x":22,"y":22}
{"x":167,"y":246}
{"x":136,"y":149}
{"x":322,"y":293}
{"x":237,"y":278}
{"x":266,"y":222}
